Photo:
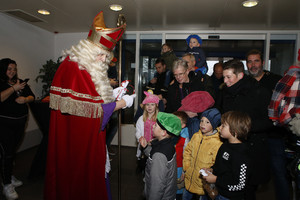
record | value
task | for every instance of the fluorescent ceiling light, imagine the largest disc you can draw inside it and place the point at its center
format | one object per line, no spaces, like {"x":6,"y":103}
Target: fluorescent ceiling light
{"x":250,"y":3}
{"x":44,"y":12}
{"x":115,"y":7}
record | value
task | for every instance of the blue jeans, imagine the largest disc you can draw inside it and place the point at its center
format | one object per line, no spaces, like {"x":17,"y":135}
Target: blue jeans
{"x":278,"y":166}
{"x":189,"y":196}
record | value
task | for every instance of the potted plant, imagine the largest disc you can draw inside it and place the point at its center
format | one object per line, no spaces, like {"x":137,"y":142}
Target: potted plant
{"x":41,"y":113}
{"x":46,"y":75}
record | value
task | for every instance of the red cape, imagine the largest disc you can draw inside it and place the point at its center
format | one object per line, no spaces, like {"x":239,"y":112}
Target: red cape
{"x":76,"y":148}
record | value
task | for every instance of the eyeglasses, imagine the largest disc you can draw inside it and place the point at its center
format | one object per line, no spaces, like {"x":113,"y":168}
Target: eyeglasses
{"x":180,"y":74}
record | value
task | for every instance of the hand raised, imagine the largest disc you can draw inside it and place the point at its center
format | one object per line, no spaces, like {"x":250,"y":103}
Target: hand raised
{"x":19,"y":86}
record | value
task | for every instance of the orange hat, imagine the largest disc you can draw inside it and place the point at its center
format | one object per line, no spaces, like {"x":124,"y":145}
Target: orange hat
{"x":105,"y":38}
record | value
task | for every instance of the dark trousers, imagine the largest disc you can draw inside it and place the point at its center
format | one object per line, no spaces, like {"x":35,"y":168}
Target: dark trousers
{"x":251,"y":192}
{"x":278,"y":167}
{"x":112,"y":128}
{"x":10,"y":137}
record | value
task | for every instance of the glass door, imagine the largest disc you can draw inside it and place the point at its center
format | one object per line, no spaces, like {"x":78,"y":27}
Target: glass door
{"x":150,"y":50}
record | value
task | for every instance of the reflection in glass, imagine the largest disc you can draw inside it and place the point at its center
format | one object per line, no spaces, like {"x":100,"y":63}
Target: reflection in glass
{"x":282,"y":55}
{"x":149,"y":52}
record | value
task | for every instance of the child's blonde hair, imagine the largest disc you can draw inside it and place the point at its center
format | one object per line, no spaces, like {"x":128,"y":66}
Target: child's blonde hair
{"x":145,"y":114}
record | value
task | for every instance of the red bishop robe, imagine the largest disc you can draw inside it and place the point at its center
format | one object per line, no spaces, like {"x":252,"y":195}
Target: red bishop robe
{"x":76,"y":148}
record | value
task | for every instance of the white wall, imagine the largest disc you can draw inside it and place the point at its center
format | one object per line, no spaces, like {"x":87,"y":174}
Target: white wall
{"x":30,"y":47}
{"x":64,"y":41}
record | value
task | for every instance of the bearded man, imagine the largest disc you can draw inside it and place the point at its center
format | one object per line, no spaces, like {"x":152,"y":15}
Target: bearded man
{"x":82,"y":102}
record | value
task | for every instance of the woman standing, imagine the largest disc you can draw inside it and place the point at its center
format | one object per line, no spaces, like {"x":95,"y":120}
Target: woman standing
{"x":15,"y":94}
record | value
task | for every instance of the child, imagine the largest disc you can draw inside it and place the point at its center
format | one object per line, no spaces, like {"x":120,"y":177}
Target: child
{"x":180,"y":146}
{"x":160,"y":173}
{"x":201,"y":152}
{"x":193,"y":104}
{"x":168,"y":55}
{"x":194,"y":42}
{"x":231,"y":169}
{"x":144,"y":125}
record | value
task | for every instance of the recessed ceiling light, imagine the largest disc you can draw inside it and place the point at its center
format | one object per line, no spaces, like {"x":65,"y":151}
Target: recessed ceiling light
{"x":250,"y":3}
{"x":115,"y":7}
{"x":44,"y":12}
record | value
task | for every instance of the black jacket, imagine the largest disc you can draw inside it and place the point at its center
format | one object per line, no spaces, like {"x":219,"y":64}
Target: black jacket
{"x":269,"y":81}
{"x":197,"y":82}
{"x":248,"y":96}
{"x":232,"y":168}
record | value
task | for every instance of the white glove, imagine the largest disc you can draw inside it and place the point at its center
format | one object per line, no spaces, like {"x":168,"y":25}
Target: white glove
{"x":129,"y":100}
{"x":294,"y":125}
{"x":120,"y":91}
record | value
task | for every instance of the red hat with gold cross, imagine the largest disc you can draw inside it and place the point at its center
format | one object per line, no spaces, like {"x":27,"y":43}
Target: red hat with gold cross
{"x":105,"y":38}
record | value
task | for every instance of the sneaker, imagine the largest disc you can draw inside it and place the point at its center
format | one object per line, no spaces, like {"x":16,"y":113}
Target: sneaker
{"x":15,"y":182}
{"x":9,"y":192}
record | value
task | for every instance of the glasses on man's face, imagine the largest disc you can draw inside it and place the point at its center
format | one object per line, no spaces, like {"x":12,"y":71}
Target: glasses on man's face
{"x":179,"y":75}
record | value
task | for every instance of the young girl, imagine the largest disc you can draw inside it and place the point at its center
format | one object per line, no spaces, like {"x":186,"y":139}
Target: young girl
{"x":144,"y":125}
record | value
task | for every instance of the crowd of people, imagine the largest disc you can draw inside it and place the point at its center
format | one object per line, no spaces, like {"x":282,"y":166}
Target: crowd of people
{"x":232,"y":128}
{"x":199,"y":136}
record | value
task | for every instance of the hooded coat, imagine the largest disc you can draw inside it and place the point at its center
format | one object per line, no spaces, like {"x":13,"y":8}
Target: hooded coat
{"x":200,"y":152}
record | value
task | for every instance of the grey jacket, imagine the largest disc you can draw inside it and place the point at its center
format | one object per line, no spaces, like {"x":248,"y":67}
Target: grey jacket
{"x":161,"y":171}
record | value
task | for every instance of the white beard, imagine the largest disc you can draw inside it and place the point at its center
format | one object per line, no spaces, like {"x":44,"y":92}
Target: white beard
{"x":85,"y":54}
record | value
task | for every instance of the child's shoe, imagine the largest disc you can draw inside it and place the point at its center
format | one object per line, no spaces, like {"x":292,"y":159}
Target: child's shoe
{"x":9,"y":192}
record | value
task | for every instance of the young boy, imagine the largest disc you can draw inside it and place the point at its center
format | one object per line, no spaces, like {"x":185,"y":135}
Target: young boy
{"x":193,"y":104}
{"x":161,"y":168}
{"x":231,"y":169}
{"x":200,"y":153}
{"x":180,"y":146}
{"x":194,"y":42}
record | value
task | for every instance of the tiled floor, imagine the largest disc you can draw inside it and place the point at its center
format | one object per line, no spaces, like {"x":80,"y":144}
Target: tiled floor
{"x":131,"y":187}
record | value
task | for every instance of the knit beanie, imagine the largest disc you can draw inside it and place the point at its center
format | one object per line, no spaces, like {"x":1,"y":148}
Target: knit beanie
{"x":194,"y":36}
{"x":214,"y":117}
{"x":169,"y":122}
{"x":150,"y":97}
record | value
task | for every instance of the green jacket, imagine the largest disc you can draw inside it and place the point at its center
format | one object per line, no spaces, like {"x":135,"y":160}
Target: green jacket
{"x":169,"y":57}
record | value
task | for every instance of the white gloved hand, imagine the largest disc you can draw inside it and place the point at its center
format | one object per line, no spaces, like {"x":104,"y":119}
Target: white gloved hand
{"x":129,"y":100}
{"x":294,"y":125}
{"x":119,"y":92}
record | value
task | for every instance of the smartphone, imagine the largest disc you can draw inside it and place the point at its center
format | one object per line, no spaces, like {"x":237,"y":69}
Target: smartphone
{"x":26,"y":80}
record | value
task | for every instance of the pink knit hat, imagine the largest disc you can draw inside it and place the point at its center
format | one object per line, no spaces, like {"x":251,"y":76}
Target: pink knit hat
{"x":197,"y":102}
{"x":150,"y":98}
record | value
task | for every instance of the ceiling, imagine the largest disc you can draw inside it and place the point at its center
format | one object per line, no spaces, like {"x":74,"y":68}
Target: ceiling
{"x":146,"y":15}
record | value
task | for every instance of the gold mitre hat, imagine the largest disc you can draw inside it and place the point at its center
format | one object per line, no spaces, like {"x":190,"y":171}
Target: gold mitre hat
{"x":105,"y":38}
